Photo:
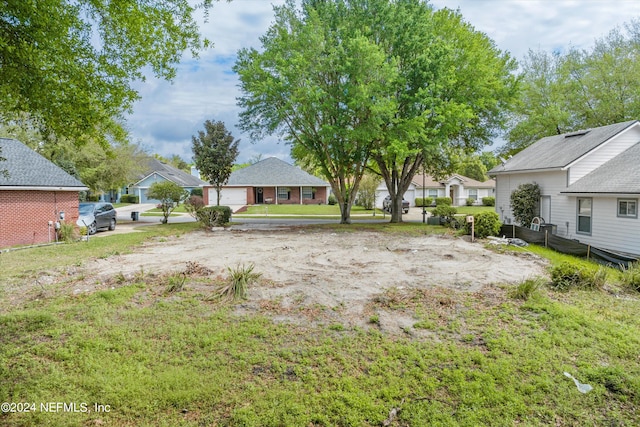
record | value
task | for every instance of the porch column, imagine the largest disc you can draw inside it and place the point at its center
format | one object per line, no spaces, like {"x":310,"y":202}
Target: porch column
{"x":276,"y":195}
{"x":300,"y":195}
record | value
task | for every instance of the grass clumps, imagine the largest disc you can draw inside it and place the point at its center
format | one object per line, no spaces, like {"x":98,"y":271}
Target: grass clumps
{"x":566,"y":276}
{"x":630,"y":276}
{"x":528,"y":288}
{"x":240,"y":277}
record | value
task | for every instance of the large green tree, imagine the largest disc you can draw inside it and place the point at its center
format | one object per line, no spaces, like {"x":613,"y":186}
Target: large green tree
{"x":393,"y":82}
{"x":214,"y":152}
{"x":320,"y":82}
{"x":452,"y":93}
{"x":70,"y":64}
{"x":580,"y":89}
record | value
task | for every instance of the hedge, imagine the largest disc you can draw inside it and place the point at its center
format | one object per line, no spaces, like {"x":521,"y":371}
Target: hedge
{"x":129,"y":198}
{"x":427,"y":201}
{"x":489,"y":201}
{"x":443,"y":201}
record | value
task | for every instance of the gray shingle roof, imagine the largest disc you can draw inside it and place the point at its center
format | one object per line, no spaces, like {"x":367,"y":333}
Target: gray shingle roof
{"x":29,"y":169}
{"x":558,"y":151}
{"x":619,"y":175}
{"x":273,"y":172}
{"x":180,"y":177}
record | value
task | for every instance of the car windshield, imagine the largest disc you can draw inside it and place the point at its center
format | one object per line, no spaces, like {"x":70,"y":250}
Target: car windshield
{"x":85,"y":209}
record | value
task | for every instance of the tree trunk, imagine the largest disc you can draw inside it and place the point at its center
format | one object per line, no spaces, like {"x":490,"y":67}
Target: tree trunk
{"x":345,"y":213}
{"x":218,"y":189}
{"x":396,"y":208}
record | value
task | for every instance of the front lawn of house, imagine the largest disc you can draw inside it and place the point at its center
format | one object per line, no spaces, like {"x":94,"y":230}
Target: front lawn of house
{"x":304,"y":210}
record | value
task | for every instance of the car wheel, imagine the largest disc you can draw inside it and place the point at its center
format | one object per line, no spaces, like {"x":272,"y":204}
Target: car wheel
{"x":112,"y":224}
{"x":92,"y":228}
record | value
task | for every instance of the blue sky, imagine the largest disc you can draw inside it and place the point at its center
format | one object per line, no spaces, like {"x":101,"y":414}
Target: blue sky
{"x":170,"y":113}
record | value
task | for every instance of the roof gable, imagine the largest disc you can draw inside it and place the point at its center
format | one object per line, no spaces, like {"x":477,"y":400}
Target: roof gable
{"x":170,"y":173}
{"x":27,"y":168}
{"x":273,"y":172}
{"x":619,"y":175}
{"x":559,"y":151}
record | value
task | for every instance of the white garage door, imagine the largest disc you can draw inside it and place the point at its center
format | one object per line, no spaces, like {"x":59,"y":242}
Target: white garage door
{"x":229,"y":196}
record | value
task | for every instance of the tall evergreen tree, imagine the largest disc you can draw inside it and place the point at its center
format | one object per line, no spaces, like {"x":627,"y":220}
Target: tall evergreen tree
{"x":214,"y":152}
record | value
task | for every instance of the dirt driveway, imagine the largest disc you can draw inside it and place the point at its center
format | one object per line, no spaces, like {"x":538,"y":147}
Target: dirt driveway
{"x":333,"y":272}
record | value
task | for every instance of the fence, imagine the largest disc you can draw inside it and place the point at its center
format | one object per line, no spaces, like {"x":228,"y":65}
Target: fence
{"x":547,"y":239}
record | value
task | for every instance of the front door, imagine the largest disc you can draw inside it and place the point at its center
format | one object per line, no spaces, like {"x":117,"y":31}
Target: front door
{"x":259,"y":195}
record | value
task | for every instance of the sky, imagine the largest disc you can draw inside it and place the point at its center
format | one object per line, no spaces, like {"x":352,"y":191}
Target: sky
{"x":170,"y":113}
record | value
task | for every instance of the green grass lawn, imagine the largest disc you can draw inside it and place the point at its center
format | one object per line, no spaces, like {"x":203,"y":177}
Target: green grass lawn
{"x":178,"y":209}
{"x":155,"y":358}
{"x":304,"y":210}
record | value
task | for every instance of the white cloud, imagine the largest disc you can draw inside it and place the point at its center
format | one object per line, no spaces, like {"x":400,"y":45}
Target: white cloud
{"x":168,"y":114}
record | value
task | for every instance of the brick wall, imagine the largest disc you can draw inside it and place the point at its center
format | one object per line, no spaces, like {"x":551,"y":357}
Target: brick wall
{"x":24,"y":215}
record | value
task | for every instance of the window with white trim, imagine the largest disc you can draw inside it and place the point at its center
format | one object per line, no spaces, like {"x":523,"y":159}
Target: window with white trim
{"x":433,"y":193}
{"x":283,"y":193}
{"x":473,"y":193}
{"x":584,"y":215}
{"x":628,"y":208}
{"x":307,"y":193}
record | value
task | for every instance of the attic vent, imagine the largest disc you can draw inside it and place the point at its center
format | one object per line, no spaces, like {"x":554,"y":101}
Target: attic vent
{"x":577,"y":133}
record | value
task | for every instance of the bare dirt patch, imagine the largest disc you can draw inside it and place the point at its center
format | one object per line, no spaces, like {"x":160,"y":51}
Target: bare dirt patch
{"x":318,"y":275}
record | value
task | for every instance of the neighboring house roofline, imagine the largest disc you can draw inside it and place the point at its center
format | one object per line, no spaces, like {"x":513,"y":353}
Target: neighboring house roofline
{"x":41,"y":188}
{"x":168,"y":173}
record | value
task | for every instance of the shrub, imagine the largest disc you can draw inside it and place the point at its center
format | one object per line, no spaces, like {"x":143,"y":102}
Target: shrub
{"x":193,"y":204}
{"x":566,"y":276}
{"x":446,"y":213}
{"x":128,"y":198}
{"x":332,"y":200}
{"x":422,"y":202}
{"x":197,"y":192}
{"x":485,"y":224}
{"x":631,"y":276}
{"x":524,"y":203}
{"x":213,"y":216}
{"x":93,"y":197}
{"x":489,"y":201}
{"x":443,"y":201}
{"x":68,"y":232}
{"x":470,"y":201}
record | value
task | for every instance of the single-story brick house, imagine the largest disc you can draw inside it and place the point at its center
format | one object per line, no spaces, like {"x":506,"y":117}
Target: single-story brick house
{"x":34,"y":195}
{"x":157,"y":171}
{"x":270,"y":181}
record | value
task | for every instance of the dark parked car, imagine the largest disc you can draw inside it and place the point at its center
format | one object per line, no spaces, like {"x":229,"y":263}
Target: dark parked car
{"x":97,"y":215}
{"x":386,"y":205}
